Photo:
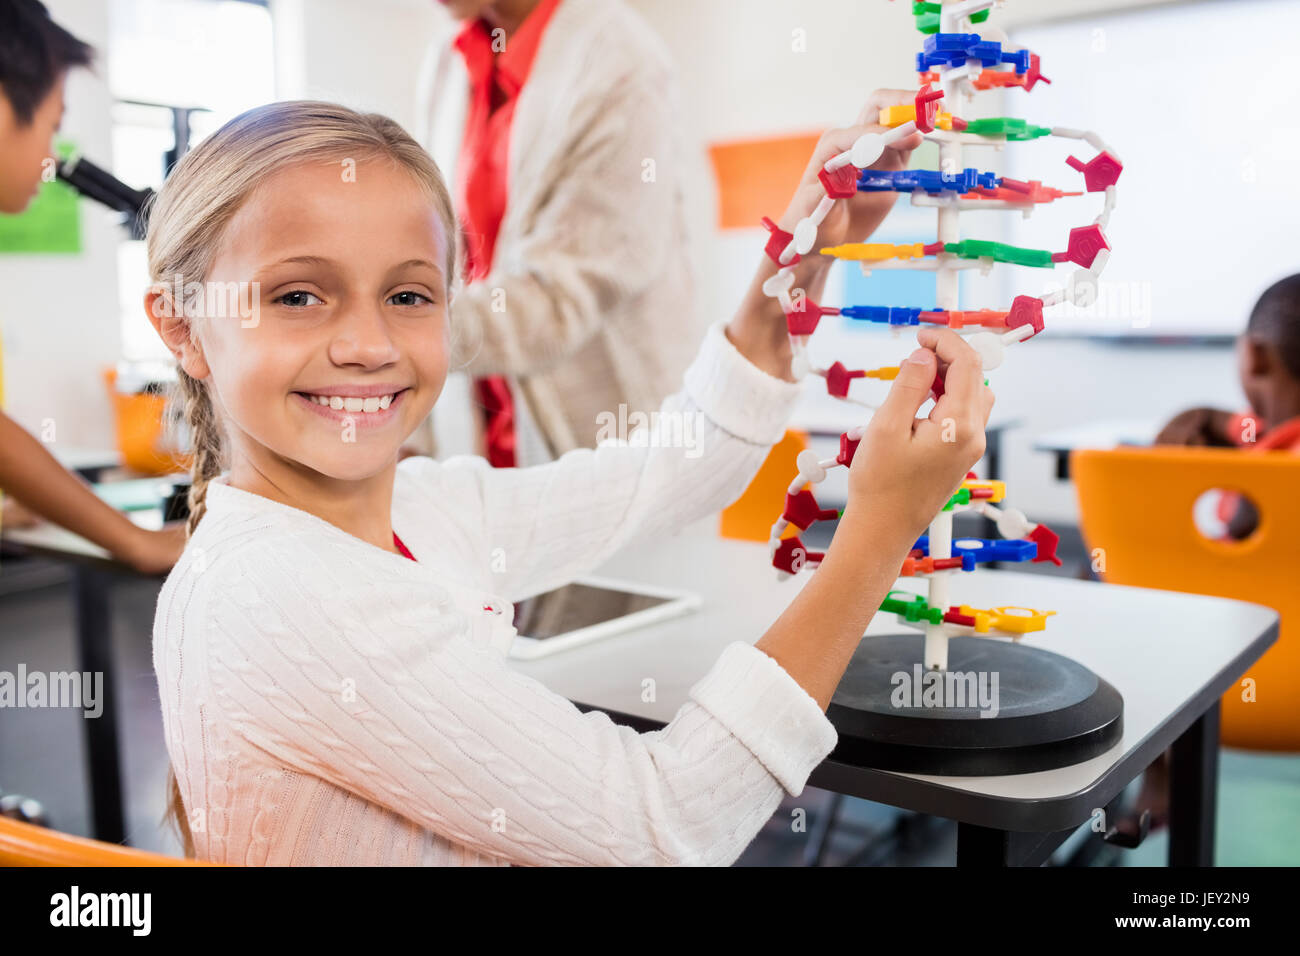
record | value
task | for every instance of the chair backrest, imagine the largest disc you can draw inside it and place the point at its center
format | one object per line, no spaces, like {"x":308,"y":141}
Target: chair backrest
{"x":24,"y":844}
{"x":751,"y":516}
{"x":1136,"y":505}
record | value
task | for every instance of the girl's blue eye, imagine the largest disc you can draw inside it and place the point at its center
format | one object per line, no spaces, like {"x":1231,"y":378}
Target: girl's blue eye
{"x":295,"y":299}
{"x":409,"y":293}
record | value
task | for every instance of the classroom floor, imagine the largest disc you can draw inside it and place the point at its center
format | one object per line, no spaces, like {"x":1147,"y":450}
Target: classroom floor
{"x":41,"y":756}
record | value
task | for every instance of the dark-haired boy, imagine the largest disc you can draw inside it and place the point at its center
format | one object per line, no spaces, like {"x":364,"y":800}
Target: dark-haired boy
{"x":35,"y":57}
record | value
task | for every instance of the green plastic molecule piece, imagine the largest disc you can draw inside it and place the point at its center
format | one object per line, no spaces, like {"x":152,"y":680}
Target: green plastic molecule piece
{"x":1012,"y":129}
{"x":911,"y":610}
{"x":927,"y":16}
{"x":999,"y":252}
{"x":962,"y":497}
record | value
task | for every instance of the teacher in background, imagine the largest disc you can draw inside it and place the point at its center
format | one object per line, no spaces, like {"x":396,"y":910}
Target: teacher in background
{"x":554,"y":121}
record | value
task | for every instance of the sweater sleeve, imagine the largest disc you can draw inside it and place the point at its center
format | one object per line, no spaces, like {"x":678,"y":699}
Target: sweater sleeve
{"x":555,"y":522}
{"x":377,"y":690}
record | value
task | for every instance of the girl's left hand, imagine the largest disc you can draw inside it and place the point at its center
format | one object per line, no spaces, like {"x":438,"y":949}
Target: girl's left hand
{"x":852,"y":220}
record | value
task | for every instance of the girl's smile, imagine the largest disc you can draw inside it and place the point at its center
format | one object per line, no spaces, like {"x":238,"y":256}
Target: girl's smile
{"x":370,"y":406}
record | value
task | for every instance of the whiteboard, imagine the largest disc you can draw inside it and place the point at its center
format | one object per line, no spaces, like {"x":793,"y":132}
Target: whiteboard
{"x":1201,"y":102}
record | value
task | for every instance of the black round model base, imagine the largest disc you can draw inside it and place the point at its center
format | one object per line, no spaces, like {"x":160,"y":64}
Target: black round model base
{"x":999,"y":708}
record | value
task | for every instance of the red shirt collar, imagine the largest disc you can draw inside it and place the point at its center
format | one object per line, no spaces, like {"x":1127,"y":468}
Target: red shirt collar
{"x":1285,"y":435}
{"x":513,"y":64}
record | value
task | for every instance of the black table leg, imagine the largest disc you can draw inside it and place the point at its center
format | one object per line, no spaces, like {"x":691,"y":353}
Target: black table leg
{"x":94,"y":648}
{"x":985,"y":846}
{"x":1194,"y":791}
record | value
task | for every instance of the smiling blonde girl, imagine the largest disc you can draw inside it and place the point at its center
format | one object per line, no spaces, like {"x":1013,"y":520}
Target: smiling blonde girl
{"x":330,"y":649}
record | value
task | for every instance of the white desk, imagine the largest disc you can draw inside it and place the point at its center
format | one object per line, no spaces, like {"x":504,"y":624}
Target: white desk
{"x":1106,"y":434}
{"x":1171,"y":656}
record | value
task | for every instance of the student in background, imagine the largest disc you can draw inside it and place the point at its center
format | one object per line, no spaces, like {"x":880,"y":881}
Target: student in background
{"x":555,"y":121}
{"x":1268,"y":362}
{"x":35,"y":55}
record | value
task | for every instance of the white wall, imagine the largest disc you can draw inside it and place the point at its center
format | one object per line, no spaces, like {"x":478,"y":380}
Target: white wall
{"x":363,"y":55}
{"x":747,"y":80}
{"x":59,"y":313}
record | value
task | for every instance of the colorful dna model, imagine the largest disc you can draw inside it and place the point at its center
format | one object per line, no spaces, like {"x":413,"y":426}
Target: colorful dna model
{"x":961,"y":63}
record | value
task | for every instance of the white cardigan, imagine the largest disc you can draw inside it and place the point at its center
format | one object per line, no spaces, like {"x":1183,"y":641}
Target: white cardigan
{"x":590,"y":302}
{"x":327,"y":702}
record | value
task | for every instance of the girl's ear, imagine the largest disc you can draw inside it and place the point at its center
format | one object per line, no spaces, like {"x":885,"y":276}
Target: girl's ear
{"x":173,"y":328}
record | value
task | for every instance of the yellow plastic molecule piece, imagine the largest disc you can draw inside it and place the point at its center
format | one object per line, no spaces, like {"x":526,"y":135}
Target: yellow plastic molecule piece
{"x":887,"y":372}
{"x":999,"y":488}
{"x":862,"y":251}
{"x":1020,"y":620}
{"x":892,"y":116}
{"x":982,"y":618}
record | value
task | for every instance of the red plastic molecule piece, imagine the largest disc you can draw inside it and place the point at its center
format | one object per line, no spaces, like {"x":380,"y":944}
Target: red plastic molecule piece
{"x":988,"y":318}
{"x":970,"y":476}
{"x":954,"y":616}
{"x":838,"y":378}
{"x":801,"y":510}
{"x":842,"y":183}
{"x":932,"y":248}
{"x":1102,"y":171}
{"x":1026,"y":310}
{"x":1034,"y":74}
{"x":1013,"y":190}
{"x":803,"y":317}
{"x":847,"y":447}
{"x":927,"y":108}
{"x":958,"y":124}
{"x":1047,"y":540}
{"x":1085,"y":243}
{"x":777,"y":243}
{"x":791,"y":555}
{"x":937,"y":387}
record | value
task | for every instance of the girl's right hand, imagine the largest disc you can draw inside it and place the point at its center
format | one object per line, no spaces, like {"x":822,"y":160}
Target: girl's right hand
{"x":907,"y":466}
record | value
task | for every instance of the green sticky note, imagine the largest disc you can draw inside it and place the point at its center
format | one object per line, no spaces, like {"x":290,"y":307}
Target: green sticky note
{"x":50,"y":224}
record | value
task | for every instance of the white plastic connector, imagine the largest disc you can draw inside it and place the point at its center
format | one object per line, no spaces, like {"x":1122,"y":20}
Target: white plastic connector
{"x":1081,"y":288}
{"x":810,"y":468}
{"x":779,"y":284}
{"x":1012,"y":524}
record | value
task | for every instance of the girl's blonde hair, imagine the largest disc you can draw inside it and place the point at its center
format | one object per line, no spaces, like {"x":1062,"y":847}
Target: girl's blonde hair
{"x":189,"y":216}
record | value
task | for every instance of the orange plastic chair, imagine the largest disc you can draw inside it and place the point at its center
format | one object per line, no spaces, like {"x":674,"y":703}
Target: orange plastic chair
{"x":1137,"y":505}
{"x":140,"y":439}
{"x":751,"y":516}
{"x":24,"y":844}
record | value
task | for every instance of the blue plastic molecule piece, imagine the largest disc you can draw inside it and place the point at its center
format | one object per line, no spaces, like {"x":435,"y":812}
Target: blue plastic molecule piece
{"x":1019,"y":59}
{"x":927,"y":180}
{"x":894,"y":315}
{"x":954,"y":49}
{"x":984,"y":549}
{"x":973,"y":551}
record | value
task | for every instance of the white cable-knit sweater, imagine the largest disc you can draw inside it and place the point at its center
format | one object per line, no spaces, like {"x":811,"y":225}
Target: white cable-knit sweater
{"x":328,"y":702}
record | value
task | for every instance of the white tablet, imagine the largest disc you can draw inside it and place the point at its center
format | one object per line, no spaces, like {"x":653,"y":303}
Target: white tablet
{"x":591,"y":609}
